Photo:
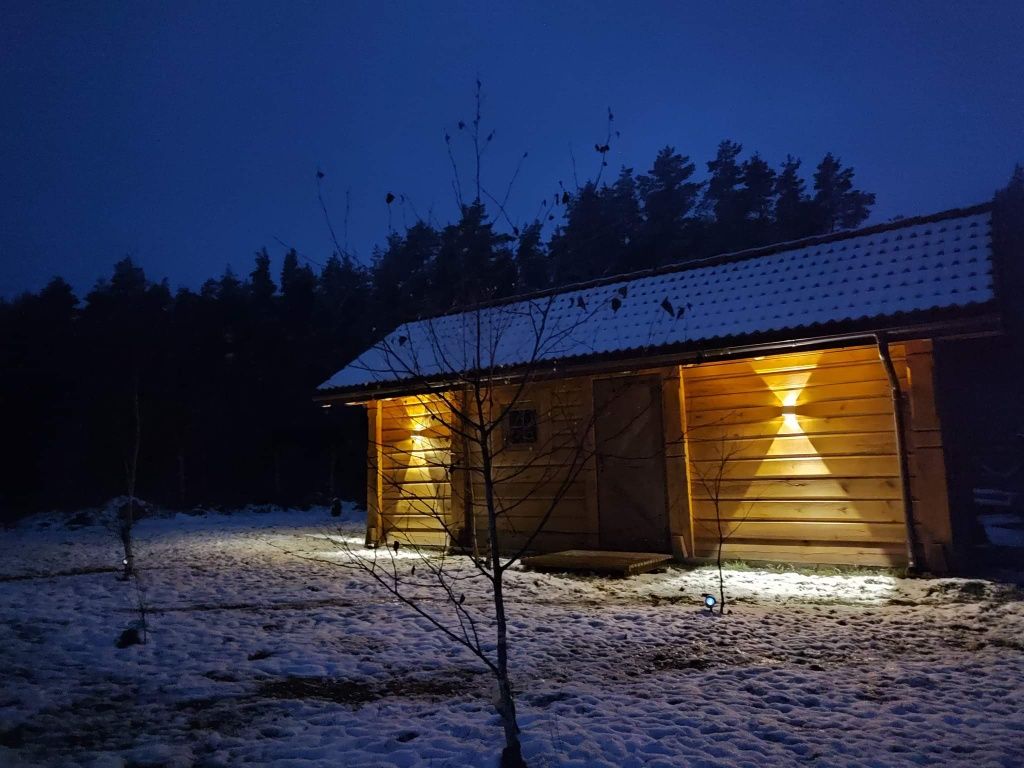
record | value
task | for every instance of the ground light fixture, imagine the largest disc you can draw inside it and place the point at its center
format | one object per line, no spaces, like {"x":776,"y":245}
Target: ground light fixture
{"x":709,"y":602}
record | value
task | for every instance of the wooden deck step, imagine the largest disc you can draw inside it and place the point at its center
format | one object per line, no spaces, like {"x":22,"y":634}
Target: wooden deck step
{"x":598,"y":561}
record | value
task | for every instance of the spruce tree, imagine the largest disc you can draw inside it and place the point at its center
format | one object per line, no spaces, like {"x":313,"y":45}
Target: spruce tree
{"x":574,"y":257}
{"x":793,"y":213}
{"x":532,"y":264}
{"x":401,"y":276}
{"x":722,"y":196}
{"x":298,"y":284}
{"x":621,"y":206}
{"x":474,"y":262}
{"x":669,"y":198}
{"x":261,"y":284}
{"x":758,"y":192}
{"x":837,"y":204}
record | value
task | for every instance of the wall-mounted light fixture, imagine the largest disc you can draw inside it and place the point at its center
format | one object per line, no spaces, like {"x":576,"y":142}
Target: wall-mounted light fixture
{"x":789,"y":416}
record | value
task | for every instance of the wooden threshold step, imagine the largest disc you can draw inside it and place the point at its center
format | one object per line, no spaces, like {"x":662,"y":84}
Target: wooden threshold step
{"x":598,"y":561}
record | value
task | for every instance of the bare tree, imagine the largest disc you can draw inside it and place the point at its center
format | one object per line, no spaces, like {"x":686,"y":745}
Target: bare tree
{"x":476,"y":412}
{"x":712,"y":477}
{"x":472,"y":412}
{"x":126,"y":524}
{"x":126,"y":513}
{"x":468,"y":431}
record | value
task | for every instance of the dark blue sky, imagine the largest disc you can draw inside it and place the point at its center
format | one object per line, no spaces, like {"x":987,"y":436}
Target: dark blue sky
{"x":188,"y":134}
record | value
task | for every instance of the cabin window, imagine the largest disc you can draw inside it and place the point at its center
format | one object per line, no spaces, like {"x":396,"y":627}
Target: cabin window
{"x":522,"y":427}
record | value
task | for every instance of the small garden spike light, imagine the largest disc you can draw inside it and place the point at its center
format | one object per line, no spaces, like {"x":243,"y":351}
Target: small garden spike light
{"x":709,"y":602}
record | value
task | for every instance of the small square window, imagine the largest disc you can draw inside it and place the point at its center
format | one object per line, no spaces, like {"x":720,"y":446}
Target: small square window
{"x":522,"y":427}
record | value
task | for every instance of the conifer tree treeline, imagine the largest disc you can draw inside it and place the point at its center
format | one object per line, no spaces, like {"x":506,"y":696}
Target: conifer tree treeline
{"x":225,"y":374}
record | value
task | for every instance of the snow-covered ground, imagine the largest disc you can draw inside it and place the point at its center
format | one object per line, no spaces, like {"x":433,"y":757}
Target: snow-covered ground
{"x":261,"y":653}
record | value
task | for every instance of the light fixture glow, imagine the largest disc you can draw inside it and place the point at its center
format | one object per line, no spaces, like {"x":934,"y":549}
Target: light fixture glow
{"x":709,"y":601}
{"x":791,"y":450}
{"x":420,"y":423}
{"x":789,"y":418}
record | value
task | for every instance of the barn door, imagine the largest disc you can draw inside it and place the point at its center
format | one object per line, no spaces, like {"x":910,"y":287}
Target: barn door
{"x":632,"y":510}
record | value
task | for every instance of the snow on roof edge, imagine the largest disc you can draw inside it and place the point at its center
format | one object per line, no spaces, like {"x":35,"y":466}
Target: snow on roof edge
{"x":743,"y":281}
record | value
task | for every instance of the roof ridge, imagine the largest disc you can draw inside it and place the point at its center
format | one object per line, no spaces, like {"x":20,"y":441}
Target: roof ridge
{"x":721,"y":258}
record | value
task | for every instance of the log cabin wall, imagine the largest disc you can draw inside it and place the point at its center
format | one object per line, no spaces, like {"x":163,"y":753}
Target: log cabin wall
{"x":410,"y":471}
{"x":929,"y":480}
{"x":548,"y":484}
{"x":550,"y":487}
{"x":811,"y":472}
{"x":800,"y":451}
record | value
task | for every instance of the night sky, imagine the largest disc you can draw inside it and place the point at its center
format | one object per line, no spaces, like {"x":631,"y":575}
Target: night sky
{"x":188,"y":135}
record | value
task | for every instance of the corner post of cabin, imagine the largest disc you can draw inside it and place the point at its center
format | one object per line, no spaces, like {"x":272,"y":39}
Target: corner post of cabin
{"x":932,"y":518}
{"x":588,"y":446}
{"x":374,"y":468}
{"x":463,"y":522}
{"x":673,"y":409}
{"x":900,"y":421}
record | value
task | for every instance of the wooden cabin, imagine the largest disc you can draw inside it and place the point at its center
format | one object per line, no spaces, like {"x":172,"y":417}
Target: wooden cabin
{"x":779,"y":402}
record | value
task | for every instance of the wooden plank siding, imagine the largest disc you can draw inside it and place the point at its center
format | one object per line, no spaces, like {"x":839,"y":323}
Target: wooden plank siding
{"x":676,"y":467}
{"x":926,"y":455}
{"x":374,"y":522}
{"x":811,"y":473}
{"x":413,"y":440}
{"x":543,"y":492}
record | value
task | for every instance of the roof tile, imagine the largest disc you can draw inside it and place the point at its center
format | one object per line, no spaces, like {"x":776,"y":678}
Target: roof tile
{"x":800,"y":287}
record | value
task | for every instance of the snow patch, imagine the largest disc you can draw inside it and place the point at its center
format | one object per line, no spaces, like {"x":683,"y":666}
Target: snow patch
{"x":266,"y":648}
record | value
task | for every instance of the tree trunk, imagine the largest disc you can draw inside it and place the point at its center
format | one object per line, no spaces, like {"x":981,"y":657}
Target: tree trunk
{"x":721,"y":542}
{"x":126,"y":542}
{"x":511,"y":756}
{"x":132,"y":467}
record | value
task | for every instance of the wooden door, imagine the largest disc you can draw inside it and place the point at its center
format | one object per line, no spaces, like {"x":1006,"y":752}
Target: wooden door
{"x":632,"y":509}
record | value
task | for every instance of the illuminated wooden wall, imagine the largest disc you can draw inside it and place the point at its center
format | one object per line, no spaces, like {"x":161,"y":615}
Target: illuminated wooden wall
{"x":419,"y":489}
{"x":529,"y":479}
{"x":812,"y":472}
{"x":410,"y":489}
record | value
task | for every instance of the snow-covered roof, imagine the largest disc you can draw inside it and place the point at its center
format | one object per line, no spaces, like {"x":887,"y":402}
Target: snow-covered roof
{"x":940,"y":262}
